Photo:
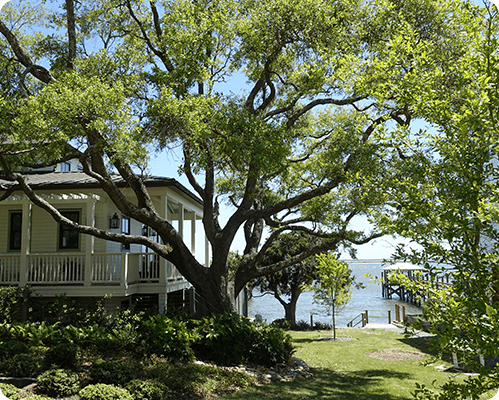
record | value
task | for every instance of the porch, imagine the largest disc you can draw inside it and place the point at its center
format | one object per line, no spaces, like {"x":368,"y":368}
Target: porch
{"x":81,"y":274}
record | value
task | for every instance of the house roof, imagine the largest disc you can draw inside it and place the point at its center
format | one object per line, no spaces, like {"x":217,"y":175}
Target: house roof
{"x":79,"y":180}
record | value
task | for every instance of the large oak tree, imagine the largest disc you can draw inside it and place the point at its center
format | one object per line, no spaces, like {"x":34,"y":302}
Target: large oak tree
{"x":111,"y":81}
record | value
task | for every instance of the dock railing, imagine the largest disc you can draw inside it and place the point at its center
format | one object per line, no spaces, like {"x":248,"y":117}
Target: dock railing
{"x":364,"y":317}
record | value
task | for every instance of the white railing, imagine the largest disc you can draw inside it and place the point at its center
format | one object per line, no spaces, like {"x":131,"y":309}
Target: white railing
{"x":9,"y":269}
{"x":70,"y":268}
{"x":172,"y":273}
{"x":51,"y":268}
{"x":106,"y":268}
{"x":149,"y":267}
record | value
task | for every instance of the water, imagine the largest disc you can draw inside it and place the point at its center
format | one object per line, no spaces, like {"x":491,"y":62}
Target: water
{"x":368,"y":298}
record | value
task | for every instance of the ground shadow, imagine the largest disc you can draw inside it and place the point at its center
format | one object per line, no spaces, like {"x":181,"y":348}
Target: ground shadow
{"x":327,"y":384}
{"x":425,"y":345}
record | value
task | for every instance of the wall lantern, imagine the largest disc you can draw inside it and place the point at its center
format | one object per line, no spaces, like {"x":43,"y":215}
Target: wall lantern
{"x":114,"y":222}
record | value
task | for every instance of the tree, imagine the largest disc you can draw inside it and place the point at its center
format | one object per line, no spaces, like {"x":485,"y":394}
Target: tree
{"x":333,"y":288}
{"x":287,"y":284}
{"x":445,"y":199}
{"x":112,"y":82}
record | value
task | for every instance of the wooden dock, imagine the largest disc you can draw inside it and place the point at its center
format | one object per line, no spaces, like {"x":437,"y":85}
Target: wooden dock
{"x":388,"y":289}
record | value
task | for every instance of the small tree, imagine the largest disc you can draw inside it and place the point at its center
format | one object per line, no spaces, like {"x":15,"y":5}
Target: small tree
{"x":333,"y":288}
{"x":288,"y":284}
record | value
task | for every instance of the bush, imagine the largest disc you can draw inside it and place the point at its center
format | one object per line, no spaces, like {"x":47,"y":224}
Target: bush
{"x":231,"y":339}
{"x":9,"y":391}
{"x":12,"y":347}
{"x":63,"y":355}
{"x":115,"y":372}
{"x":104,"y":392}
{"x":147,"y":389}
{"x":12,"y":300}
{"x":167,"y":338}
{"x":58,"y":383}
{"x":21,"y":365}
{"x":271,"y":346}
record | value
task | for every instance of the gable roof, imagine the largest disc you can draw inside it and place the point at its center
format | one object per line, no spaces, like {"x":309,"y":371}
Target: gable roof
{"x":79,"y":180}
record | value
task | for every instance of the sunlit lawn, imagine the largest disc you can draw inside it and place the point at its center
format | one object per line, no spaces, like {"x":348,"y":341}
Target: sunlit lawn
{"x":342,"y":371}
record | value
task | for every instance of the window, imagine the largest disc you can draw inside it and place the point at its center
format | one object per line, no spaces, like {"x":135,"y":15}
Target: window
{"x":15,"y":234}
{"x":69,"y":238}
{"x":65,"y":166}
{"x":125,"y":229}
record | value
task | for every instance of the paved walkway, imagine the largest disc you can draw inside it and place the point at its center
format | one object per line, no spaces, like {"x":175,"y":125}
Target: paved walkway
{"x":395,"y":328}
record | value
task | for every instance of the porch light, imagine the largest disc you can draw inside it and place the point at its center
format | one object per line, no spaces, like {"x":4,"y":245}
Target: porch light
{"x":114,"y":222}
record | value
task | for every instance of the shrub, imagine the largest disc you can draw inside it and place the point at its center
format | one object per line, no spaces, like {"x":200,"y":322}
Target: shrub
{"x":102,"y":391}
{"x":63,"y":355}
{"x":9,"y":391}
{"x":147,"y":389}
{"x":21,"y":365}
{"x":322,"y":326}
{"x":282,"y":324}
{"x":12,"y":299}
{"x":167,"y":338}
{"x":271,"y":346}
{"x":58,"y":383}
{"x":11,"y":348}
{"x":231,"y":339}
{"x":113,"y":372}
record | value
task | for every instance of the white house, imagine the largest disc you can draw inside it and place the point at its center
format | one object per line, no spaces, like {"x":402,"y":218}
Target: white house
{"x":37,"y":251}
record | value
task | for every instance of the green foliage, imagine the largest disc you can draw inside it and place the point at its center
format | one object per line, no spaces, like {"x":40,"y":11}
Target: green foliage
{"x":63,"y":355}
{"x":271,"y":346}
{"x":34,"y":333}
{"x":9,"y":391}
{"x":219,"y":340}
{"x":11,"y":348}
{"x":102,"y":391}
{"x":167,"y":337}
{"x":197,"y":380}
{"x":117,"y":372}
{"x":12,"y":299}
{"x":147,"y":389}
{"x":22,"y":365}
{"x":58,"y":383}
{"x":287,"y":285}
{"x":293,"y":149}
{"x":443,"y":194}
{"x":334,"y":284}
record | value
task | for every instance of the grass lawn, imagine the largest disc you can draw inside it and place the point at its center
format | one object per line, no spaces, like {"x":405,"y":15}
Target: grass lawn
{"x":343,"y":371}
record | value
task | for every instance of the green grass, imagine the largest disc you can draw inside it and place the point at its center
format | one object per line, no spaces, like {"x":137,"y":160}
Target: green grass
{"x":342,"y":371}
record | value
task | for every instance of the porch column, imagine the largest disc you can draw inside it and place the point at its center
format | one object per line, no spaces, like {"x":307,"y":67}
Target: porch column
{"x":162,"y":261}
{"x":180,"y":231}
{"x":25,"y":243}
{"x":206,"y":252}
{"x":89,"y":243}
{"x":193,"y":233}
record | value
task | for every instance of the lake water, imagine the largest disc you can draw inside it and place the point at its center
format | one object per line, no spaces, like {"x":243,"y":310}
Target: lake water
{"x":368,"y":298}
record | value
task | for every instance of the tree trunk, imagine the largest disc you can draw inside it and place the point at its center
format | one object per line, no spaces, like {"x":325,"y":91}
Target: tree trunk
{"x":334,"y":321}
{"x":215,"y":296}
{"x":290,"y":312}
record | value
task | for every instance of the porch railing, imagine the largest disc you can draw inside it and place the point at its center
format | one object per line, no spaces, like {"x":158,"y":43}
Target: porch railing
{"x":105,"y":268}
{"x":9,"y":269}
{"x":50,"y":268}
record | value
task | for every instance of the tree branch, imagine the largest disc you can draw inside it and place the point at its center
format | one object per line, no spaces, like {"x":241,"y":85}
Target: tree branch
{"x":37,"y":71}
{"x":70,"y":16}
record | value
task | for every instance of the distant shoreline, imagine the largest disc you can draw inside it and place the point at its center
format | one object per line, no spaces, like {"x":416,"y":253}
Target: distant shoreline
{"x":364,"y":261}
